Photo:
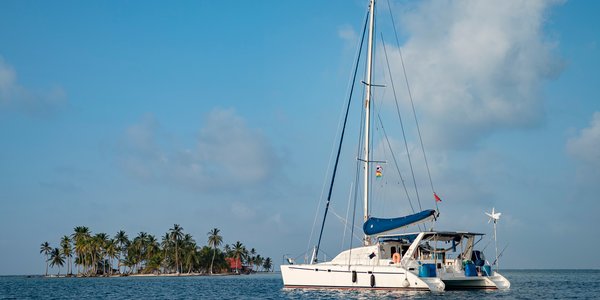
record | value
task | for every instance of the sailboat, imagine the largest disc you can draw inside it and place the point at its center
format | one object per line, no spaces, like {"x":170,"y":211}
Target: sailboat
{"x":422,"y":260}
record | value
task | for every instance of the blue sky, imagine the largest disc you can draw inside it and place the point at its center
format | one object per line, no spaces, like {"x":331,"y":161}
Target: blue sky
{"x":136,"y":116}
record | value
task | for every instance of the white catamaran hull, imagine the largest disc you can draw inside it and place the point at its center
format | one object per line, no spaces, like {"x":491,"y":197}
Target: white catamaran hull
{"x":326,"y":275}
{"x":461,"y":282}
{"x":426,"y":260}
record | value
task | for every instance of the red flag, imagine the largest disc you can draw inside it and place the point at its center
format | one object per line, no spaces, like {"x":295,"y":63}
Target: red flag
{"x":437,"y":198}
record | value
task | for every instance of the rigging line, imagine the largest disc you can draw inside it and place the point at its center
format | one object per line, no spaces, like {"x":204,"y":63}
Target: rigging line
{"x":351,"y":83}
{"x":322,"y":192}
{"x":356,"y":180}
{"x":413,"y":105}
{"x":373,"y":190}
{"x":347,"y":211}
{"x":343,"y":221}
{"x":381,"y":183}
{"x":359,"y":147}
{"x":381,"y":192}
{"x":396,"y":164}
{"x":337,"y":159}
{"x":401,"y":123}
{"x":403,"y":136}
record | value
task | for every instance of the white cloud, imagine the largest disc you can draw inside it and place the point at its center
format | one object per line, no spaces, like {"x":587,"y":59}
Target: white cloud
{"x":476,"y":66}
{"x":16,"y":97}
{"x":227,"y":145}
{"x":241,"y":211}
{"x":583,"y":183}
{"x":585,"y":146}
{"x":347,"y":34}
{"x":8,"y":80}
{"x":227,"y":155}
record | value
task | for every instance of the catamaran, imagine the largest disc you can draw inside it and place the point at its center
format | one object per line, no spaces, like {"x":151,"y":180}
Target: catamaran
{"x":423,"y":260}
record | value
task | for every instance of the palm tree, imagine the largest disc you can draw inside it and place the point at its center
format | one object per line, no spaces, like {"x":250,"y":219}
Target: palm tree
{"x":80,"y":237}
{"x":122,"y":242}
{"x":131,"y":258}
{"x":214,"y":241}
{"x":251,"y":258}
{"x":166,"y":244}
{"x":239,"y":252}
{"x":46,"y":249}
{"x":188,"y":251}
{"x":258,"y":262}
{"x":190,"y":257}
{"x":67,"y":252}
{"x":267,"y":264}
{"x":176,"y":252}
{"x":140,"y":245}
{"x":112,"y":252}
{"x":101,"y":241}
{"x":176,"y":235}
{"x":56,"y":258}
{"x":80,"y":249}
{"x":152,"y":247}
{"x":128,"y":262}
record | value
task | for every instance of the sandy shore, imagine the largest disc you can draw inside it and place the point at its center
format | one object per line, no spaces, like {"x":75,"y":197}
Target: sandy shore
{"x":143,"y":275}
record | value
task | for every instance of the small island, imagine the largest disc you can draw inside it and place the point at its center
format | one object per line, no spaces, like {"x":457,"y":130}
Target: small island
{"x":176,"y":254}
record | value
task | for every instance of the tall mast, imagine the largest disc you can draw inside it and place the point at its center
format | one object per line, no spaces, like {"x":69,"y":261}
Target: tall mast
{"x":368,"y":114}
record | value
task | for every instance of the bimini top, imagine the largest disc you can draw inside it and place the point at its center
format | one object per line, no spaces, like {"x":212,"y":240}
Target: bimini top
{"x":437,"y":235}
{"x":378,"y":225}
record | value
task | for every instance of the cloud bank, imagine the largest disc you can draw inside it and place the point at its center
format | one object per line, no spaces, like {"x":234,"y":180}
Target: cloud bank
{"x":13,"y":96}
{"x":227,"y":155}
{"x":476,"y":67}
{"x":585,"y":147}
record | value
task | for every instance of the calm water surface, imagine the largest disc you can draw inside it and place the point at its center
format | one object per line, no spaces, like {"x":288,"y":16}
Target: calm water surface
{"x":526,"y":284}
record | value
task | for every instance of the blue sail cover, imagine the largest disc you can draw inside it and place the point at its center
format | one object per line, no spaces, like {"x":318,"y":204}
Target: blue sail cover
{"x":377,"y":225}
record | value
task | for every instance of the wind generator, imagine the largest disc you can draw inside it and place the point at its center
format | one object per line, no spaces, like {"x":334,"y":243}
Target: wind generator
{"x":494,"y":216}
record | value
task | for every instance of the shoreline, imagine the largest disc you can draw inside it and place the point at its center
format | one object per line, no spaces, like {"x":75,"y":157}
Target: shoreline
{"x":148,"y":275}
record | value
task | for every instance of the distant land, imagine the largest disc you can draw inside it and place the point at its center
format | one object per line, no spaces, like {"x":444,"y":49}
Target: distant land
{"x":84,"y":254}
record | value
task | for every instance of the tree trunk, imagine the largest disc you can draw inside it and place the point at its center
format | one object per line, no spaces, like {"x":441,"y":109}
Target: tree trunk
{"x":212,"y":261}
{"x":46,"y":265}
{"x":176,"y":259}
{"x":94,"y":266}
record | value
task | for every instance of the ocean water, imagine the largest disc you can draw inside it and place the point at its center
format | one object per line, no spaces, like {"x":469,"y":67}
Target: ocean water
{"x":526,"y":284}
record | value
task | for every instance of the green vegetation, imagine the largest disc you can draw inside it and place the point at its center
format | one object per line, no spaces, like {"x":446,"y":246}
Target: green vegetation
{"x":177,"y":252}
{"x":214,"y":240}
{"x":46,"y":249}
{"x":56,"y":259}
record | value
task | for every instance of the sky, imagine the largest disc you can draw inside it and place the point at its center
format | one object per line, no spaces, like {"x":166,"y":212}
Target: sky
{"x":141,"y":115}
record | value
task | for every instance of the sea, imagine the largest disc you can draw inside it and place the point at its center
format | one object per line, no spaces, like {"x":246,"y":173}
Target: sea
{"x":526,"y":284}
